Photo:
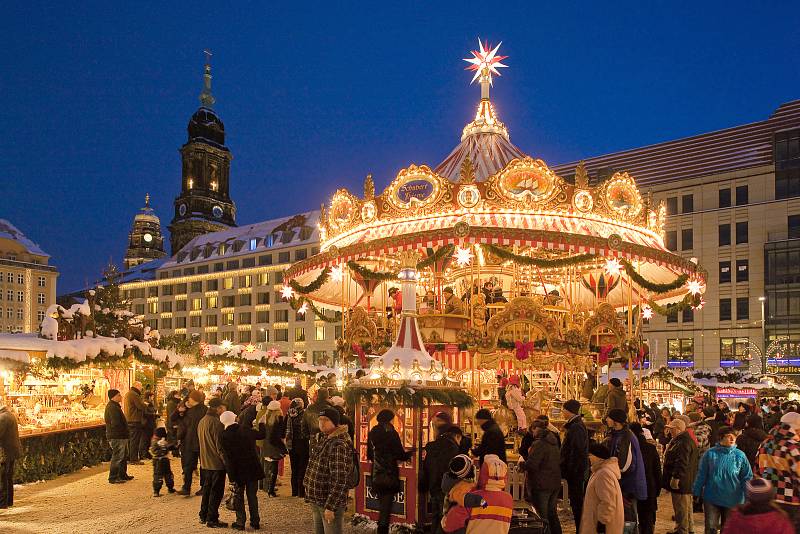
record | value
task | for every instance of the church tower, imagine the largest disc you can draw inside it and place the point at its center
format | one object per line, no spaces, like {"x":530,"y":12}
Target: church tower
{"x":145,"y":242}
{"x":204,"y":204}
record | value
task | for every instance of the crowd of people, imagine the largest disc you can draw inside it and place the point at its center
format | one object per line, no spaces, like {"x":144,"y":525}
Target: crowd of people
{"x":741,"y":467}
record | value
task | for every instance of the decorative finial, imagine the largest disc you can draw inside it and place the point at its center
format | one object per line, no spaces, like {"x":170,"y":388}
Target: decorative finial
{"x":581,"y":176}
{"x":369,"y":188}
{"x":206,"y":98}
{"x":147,"y":200}
{"x":485,"y":62}
{"x":467,"y":174}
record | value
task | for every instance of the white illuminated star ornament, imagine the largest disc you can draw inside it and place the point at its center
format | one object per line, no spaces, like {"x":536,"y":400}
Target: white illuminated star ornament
{"x":463,"y":256}
{"x":287,"y":292}
{"x":647,"y":312}
{"x":613,"y":267}
{"x":695,"y":287}
{"x":485,"y":61}
{"x":303,"y":309}
{"x":337,"y":273}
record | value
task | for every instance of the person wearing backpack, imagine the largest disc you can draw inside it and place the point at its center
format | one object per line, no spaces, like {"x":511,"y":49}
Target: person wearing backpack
{"x":385,"y":450}
{"x":332,"y":468}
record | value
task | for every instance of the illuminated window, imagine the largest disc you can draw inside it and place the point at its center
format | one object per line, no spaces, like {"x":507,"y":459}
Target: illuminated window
{"x":299,"y":334}
{"x":211,"y":302}
{"x":733,"y":351}
{"x":680,"y":352}
{"x":319,"y":333}
{"x":253,"y":243}
{"x":246,"y":281}
{"x":227,"y":319}
{"x":152,"y":307}
{"x":227,"y":283}
{"x":42,"y":281}
{"x":197,"y":304}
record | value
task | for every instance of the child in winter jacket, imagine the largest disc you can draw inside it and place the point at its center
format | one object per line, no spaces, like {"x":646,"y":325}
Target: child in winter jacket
{"x":162,"y":472}
{"x":457,"y":485}
{"x":514,"y":400}
{"x":495,"y":518}
{"x":759,"y":514}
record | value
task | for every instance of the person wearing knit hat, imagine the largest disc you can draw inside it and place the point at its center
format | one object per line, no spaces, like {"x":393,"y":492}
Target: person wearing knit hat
{"x":118,"y":435}
{"x":616,"y":415}
{"x":162,"y":471}
{"x":273,"y":447}
{"x":616,"y":396}
{"x":187,"y":418}
{"x":721,"y":478}
{"x":196,"y":396}
{"x":759,"y":513}
{"x":496,"y":517}
{"x":679,"y":472}
{"x":574,"y":458}
{"x":332,"y":414}
{"x":603,"y":507}
{"x":625,"y":447}
{"x":492,"y":441}
{"x":297,"y":444}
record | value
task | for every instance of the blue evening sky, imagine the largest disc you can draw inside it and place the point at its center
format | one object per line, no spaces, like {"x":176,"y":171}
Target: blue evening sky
{"x":97,"y":95}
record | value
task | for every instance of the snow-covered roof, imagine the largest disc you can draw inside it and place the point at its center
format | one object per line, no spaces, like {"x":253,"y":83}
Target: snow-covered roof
{"x":256,"y":355}
{"x":80,"y":350}
{"x":268,"y":235}
{"x":9,"y":231}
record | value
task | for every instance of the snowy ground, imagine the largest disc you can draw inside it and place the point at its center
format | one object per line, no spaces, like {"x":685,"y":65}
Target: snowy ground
{"x":84,"y":502}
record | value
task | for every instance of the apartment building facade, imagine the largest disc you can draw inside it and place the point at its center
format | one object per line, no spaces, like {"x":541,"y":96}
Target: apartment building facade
{"x":733,"y":198}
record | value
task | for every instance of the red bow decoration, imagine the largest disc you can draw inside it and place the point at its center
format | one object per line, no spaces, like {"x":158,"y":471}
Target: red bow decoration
{"x":605,"y":352}
{"x":430,"y":347}
{"x":359,"y":350}
{"x":523,"y":349}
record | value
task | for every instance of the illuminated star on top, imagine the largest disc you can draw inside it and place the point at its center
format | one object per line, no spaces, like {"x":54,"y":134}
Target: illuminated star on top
{"x":695,"y":287}
{"x":287,"y":292}
{"x":485,"y":61}
{"x":463,"y":256}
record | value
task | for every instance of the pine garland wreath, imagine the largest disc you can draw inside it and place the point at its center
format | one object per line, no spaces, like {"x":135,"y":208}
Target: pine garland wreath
{"x":48,"y":455}
{"x":520,"y":259}
{"x":263,"y":363}
{"x":408,"y":396}
{"x":368,"y":274}
{"x":297,"y":303}
{"x":653,"y":287}
{"x":689,"y":301}
{"x":313,"y":286}
{"x":443,"y":252}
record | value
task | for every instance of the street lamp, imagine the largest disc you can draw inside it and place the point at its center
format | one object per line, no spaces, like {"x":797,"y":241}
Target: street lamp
{"x":762,"y":300}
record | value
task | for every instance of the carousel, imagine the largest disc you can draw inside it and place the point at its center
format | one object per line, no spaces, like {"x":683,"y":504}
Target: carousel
{"x":490,"y":265}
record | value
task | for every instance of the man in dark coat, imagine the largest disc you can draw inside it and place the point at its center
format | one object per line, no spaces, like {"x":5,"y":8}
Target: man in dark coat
{"x":134,"y":408}
{"x":231,"y":397}
{"x":310,"y":424}
{"x":751,"y":438}
{"x":616,"y":399}
{"x":243,"y":465}
{"x":173,"y":400}
{"x":624,"y":445}
{"x":10,"y":450}
{"x":544,"y":474}
{"x":297,"y":445}
{"x":117,"y":434}
{"x":652,"y":470}
{"x":492,"y":441}
{"x":680,"y":470}
{"x":297,"y":392}
{"x":187,"y":421}
{"x":575,"y":457}
{"x":437,"y":456}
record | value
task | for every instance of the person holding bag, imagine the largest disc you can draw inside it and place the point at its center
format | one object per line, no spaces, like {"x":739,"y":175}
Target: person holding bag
{"x":385,"y":450}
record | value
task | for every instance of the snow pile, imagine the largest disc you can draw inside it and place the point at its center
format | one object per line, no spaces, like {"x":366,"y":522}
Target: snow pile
{"x":49,"y":327}
{"x":14,"y":355}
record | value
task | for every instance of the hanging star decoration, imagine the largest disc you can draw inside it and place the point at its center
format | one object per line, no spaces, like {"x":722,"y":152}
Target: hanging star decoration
{"x":273,"y":353}
{"x":463,"y":256}
{"x":287,"y":292}
{"x":303,"y":309}
{"x":485,"y":61}
{"x":250,"y":348}
{"x":695,"y":287}
{"x":299,"y":356}
{"x":647,"y":312}
{"x":337,"y":273}
{"x":613,"y":267}
{"x":226,"y":344}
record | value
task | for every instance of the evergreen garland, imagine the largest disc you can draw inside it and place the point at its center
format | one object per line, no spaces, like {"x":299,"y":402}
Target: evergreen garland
{"x":313,"y":286}
{"x":689,"y":301}
{"x":505,"y":254}
{"x":297,"y":303}
{"x":443,"y":252}
{"x":48,"y":455}
{"x":263,"y":363}
{"x":408,"y":396}
{"x":652,"y":286}
{"x":368,"y":274}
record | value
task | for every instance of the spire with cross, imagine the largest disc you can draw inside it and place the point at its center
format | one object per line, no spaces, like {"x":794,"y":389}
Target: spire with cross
{"x":206,"y":98}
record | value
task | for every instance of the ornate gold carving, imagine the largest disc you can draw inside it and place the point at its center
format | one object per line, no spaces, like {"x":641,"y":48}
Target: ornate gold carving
{"x":521,"y":310}
{"x":369,"y":188}
{"x":461,"y":229}
{"x":526,"y":183}
{"x":581,"y":176}
{"x":604,"y":317}
{"x":467,"y":174}
{"x":361,"y":329}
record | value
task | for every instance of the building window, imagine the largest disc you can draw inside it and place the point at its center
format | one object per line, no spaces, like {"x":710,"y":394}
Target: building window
{"x":20,"y":278}
{"x":197,"y":304}
{"x":299,"y":334}
{"x":733,"y":351}
{"x":211,"y":337}
{"x":245,"y":336}
{"x":741,"y":195}
{"x":300,"y":317}
{"x":211,"y":303}
{"x":245,"y":300}
{"x":672,"y":316}
{"x":180,"y":322}
{"x":787,"y":164}
{"x":152,"y":307}
{"x":10,"y":313}
{"x":262,"y":298}
{"x":262,"y":335}
{"x":245,"y":318}
{"x":687,"y":203}
{"x":263,"y":279}
{"x":246,"y":281}
{"x":20,"y":296}
{"x":211,"y":320}
{"x":20,"y":313}
{"x":166,"y":306}
{"x":197,"y":287}
{"x":319,"y":357}
{"x":787,"y":183}
{"x":724,"y":198}
{"x":741,"y":232}
{"x":300,"y":254}
{"x":266,"y":259}
{"x":724,"y":235}
{"x":42,"y":281}
{"x":180,"y":289}
{"x":283,"y":257}
{"x":724,"y":309}
{"x":166,"y":324}
{"x":10,"y":295}
{"x":39,"y":316}
{"x":687,"y":239}
{"x":279,"y":277}
{"x":138,"y":309}
{"x":319,"y":333}
{"x":228,"y":301}
{"x":166,"y":291}
{"x":262,"y":317}
{"x":680,"y":352}
{"x":687,"y":315}
{"x":10,"y":278}
{"x":281,"y":334}
{"x":281,"y":316}
{"x":40,"y":298}
{"x":337,"y":331}
{"x":742,"y":271}
{"x":671,"y":240}
{"x":253,"y":243}
{"x":212,"y":285}
{"x":227,"y":283}
{"x":180,"y":305}
{"x":794,"y":226}
{"x":227,"y":319}
{"x":742,"y":309}
{"x":194,"y":321}
{"x":672,"y":205}
{"x":724,"y":272}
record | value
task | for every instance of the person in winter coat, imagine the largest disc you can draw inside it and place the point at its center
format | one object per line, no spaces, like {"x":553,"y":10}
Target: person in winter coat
{"x":297,"y":392}
{"x":721,"y":478}
{"x":118,"y":436}
{"x":212,"y":463}
{"x":385,"y":450}
{"x":648,"y":507}
{"x":311,"y":415}
{"x":231,"y":397}
{"x":134,"y":408}
{"x":457,"y":483}
{"x":492,"y":441}
{"x":616,"y":399}
{"x":339,"y":404}
{"x":436,"y":459}
{"x":242,"y":466}
{"x":188,"y":420}
{"x":702,"y":431}
{"x":680,"y":470}
{"x":544,"y":475}
{"x":162,"y":471}
{"x":603,"y":509}
{"x":779,"y":462}
{"x":514,"y":400}
{"x":625,"y":447}
{"x":329,"y":467}
{"x":574,"y":458}
{"x":173,"y":400}
{"x":751,"y":438}
{"x":773,"y":418}
{"x":740,"y":417}
{"x":495,"y":518}
{"x":297,"y":446}
{"x":273,"y":448}
{"x":759,"y":514}
{"x":148,"y":423}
